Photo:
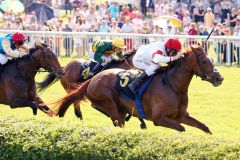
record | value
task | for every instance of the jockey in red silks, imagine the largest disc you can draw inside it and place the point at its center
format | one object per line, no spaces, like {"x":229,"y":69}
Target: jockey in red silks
{"x":148,"y":58}
{"x":9,"y":45}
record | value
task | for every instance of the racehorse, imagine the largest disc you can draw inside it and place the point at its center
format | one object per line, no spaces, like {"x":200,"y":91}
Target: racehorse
{"x":165,"y":100}
{"x":72,"y":73}
{"x":17,"y":82}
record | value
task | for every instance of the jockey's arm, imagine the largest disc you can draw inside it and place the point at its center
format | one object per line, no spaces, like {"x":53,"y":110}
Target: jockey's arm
{"x":97,"y":57}
{"x":99,"y":52}
{"x":24,"y":49}
{"x":163,"y":59}
{"x":7,"y":48}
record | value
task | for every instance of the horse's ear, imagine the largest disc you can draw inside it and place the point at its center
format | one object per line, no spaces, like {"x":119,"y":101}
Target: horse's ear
{"x":38,"y":44}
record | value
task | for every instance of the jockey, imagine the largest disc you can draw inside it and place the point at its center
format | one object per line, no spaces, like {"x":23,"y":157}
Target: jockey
{"x":149,"y":56}
{"x":9,"y":45}
{"x":102,"y":51}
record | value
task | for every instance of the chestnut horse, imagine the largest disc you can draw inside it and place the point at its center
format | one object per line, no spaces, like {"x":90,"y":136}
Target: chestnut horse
{"x":72,"y":73}
{"x":17,"y":82}
{"x":165,"y":100}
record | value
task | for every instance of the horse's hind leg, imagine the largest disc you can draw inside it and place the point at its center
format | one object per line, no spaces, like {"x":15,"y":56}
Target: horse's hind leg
{"x":110,"y":108}
{"x":68,"y":88}
{"x":21,"y":102}
{"x":194,"y":123}
{"x":77,"y":110}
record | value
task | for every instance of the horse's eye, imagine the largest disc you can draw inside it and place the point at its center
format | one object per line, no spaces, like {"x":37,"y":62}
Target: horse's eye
{"x":204,"y":62}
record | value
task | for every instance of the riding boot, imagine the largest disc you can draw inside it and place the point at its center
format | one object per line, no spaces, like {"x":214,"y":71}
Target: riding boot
{"x":133,"y":86}
{"x":95,"y":70}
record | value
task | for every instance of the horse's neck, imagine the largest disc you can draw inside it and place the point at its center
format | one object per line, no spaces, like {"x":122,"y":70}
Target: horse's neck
{"x":26,"y":67}
{"x":179,"y":77}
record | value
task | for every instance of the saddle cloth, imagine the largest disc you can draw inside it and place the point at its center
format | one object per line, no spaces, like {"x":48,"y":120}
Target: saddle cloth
{"x":126,"y":77}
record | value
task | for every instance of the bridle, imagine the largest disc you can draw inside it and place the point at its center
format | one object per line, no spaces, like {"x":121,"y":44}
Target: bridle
{"x":204,"y":74}
{"x":43,"y":56}
{"x":48,"y":66}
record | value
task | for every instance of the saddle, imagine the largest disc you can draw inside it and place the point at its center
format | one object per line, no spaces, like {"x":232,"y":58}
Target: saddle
{"x":89,"y":66}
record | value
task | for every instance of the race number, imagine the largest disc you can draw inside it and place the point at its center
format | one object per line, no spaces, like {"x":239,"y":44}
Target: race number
{"x":85,"y":73}
{"x":124,"y":79}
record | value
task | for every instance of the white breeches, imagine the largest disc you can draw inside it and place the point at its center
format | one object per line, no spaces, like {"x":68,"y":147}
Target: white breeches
{"x":91,"y":53}
{"x":142,"y":64}
{"x":3,"y":59}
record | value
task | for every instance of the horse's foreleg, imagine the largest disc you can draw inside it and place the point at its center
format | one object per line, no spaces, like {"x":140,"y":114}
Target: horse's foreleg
{"x":77,"y":110}
{"x":43,"y":107}
{"x":22,"y":102}
{"x":194,"y":123}
{"x":169,"y":123}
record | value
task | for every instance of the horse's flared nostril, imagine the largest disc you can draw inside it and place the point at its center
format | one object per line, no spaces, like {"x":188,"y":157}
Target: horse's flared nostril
{"x":220,"y":79}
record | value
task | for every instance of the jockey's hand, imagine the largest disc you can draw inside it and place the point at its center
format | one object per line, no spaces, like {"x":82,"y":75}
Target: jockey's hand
{"x":179,"y":55}
{"x":175,"y":58}
{"x":31,"y":50}
{"x":107,"y":59}
{"x":104,"y":63}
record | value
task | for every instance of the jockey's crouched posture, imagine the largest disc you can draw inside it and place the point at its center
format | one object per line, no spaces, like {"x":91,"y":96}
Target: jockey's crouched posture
{"x":102,"y":51}
{"x":149,"y":56}
{"x":9,"y":45}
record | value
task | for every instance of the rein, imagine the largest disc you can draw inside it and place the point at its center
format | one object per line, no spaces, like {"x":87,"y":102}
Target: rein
{"x":126,"y":61}
{"x":128,"y":56}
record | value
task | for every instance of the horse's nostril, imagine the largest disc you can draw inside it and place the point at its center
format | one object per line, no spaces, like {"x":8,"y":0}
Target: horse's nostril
{"x":220,"y":79}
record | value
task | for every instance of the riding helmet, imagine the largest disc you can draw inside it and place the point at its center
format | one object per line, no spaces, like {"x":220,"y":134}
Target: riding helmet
{"x":18,"y":37}
{"x":173,"y":43}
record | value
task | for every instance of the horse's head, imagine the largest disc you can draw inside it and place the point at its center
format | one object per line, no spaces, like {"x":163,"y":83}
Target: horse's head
{"x":201,"y":65}
{"x":125,"y":62}
{"x":46,"y":59}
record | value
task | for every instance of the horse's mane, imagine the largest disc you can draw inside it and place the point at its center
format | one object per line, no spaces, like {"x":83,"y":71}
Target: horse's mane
{"x":186,"y":52}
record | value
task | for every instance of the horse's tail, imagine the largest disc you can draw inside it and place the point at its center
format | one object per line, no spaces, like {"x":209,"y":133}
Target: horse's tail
{"x":77,"y":94}
{"x":49,"y":80}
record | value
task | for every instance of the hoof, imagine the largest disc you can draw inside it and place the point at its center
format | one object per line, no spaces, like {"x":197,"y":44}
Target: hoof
{"x":34,"y":111}
{"x":128,"y":117}
{"x":143,"y":126}
{"x":181,"y":129}
{"x":51,"y":113}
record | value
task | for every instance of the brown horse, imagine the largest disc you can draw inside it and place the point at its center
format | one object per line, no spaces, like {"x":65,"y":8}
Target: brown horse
{"x":165,"y":100}
{"x":72,"y":73}
{"x":17,"y":83}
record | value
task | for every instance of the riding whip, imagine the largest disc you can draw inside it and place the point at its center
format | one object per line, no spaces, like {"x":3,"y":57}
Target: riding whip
{"x":208,"y":36}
